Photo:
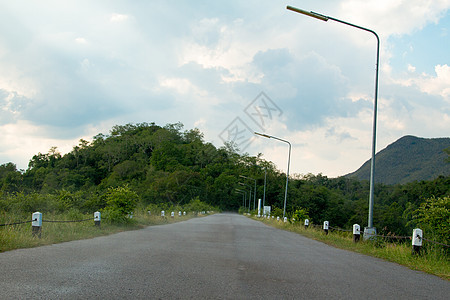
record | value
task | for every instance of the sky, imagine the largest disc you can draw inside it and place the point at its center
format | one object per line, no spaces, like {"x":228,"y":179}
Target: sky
{"x":72,"y":69}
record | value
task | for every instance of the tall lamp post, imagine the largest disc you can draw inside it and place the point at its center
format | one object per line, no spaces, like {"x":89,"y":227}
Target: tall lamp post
{"x":370,"y":230}
{"x":250,"y":194}
{"x":264,"y":197}
{"x":289,"y":160}
{"x":244,"y":196}
{"x":254,"y":194}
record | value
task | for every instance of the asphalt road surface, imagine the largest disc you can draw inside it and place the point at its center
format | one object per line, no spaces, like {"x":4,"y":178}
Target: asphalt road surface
{"x":223,"y":256}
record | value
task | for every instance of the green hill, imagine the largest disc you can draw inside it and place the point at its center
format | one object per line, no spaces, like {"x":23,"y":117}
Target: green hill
{"x":408,"y":159}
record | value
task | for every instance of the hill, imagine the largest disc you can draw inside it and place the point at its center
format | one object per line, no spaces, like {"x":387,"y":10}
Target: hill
{"x":408,"y":159}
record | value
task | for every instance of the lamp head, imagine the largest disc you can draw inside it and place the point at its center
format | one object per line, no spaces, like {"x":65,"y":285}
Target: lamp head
{"x":264,"y":135}
{"x":308,"y":13}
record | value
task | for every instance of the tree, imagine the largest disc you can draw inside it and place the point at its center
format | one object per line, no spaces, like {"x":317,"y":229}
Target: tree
{"x":120,"y":202}
{"x":10,"y":178}
{"x":434,"y":215}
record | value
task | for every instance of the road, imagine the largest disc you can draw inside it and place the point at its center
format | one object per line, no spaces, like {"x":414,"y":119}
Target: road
{"x":222,"y":256}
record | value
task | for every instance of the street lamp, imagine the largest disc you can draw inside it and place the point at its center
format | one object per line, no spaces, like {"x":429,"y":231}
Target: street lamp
{"x":370,"y":230}
{"x":250,"y":194}
{"x":264,"y":198}
{"x":265,"y":180}
{"x":244,"y":195}
{"x":287,"y":173}
{"x":254,"y":194}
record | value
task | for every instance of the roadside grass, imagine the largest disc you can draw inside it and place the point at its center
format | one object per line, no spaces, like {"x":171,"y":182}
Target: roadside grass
{"x":20,"y":236}
{"x":433,"y":259}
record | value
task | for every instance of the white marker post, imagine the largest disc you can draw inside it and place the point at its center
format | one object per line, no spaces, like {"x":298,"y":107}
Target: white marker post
{"x":306,"y":223}
{"x":356,"y":232}
{"x":325,"y":227}
{"x":259,"y":208}
{"x":172,"y":214}
{"x":97,"y":218}
{"x":36,"y":224}
{"x":417,"y":240}
{"x":163,"y":213}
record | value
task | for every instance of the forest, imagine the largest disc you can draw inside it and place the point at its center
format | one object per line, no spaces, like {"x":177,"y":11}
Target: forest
{"x":168,"y":166}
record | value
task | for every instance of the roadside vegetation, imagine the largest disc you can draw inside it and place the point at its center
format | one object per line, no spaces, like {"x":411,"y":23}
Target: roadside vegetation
{"x":432,"y":258}
{"x":136,"y":167}
{"x":121,"y":213}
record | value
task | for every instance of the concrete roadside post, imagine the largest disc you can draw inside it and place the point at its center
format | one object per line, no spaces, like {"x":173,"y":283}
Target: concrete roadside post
{"x":172,"y":214}
{"x":356,"y":233}
{"x":325,"y":227}
{"x":36,"y":224}
{"x":417,"y":240}
{"x":163,"y":213}
{"x":259,"y":208}
{"x":97,"y":218}
{"x":306,"y":223}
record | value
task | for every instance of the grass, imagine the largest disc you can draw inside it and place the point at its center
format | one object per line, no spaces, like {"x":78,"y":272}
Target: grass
{"x":20,"y":236}
{"x":433,"y":259}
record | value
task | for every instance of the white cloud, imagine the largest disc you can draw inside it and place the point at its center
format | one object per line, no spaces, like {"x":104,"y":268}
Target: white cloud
{"x":26,"y":140}
{"x":118,"y":17}
{"x":81,"y":40}
{"x":411,"y":68}
{"x":393,"y":16}
{"x":436,"y":85}
{"x":182,"y":86}
{"x":202,"y":65}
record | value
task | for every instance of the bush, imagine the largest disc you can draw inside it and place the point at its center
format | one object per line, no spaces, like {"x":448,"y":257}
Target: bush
{"x":301,"y":214}
{"x":277,"y":212}
{"x":120,"y":202}
{"x":434,"y":215}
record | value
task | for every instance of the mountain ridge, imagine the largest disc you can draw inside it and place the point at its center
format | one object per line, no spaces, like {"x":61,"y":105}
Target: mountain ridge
{"x":408,"y":159}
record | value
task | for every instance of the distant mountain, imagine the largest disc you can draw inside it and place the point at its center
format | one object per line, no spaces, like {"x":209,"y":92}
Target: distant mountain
{"x":408,"y":159}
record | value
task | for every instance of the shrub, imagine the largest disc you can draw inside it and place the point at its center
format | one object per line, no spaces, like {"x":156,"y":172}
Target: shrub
{"x":434,"y":215}
{"x":301,"y":214}
{"x":120,"y":202}
{"x":277,"y":212}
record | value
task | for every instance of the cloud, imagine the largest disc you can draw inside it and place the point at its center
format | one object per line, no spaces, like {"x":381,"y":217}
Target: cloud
{"x":308,"y":89}
{"x":393,"y":17}
{"x":118,"y":17}
{"x":202,"y":64}
{"x":436,"y":85}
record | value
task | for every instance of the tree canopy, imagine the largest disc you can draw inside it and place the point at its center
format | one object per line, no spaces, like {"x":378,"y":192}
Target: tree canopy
{"x":169,"y":165}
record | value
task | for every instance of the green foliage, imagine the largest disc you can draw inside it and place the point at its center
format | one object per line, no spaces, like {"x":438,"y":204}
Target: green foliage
{"x":448,"y":154}
{"x":120,"y":203}
{"x":175,"y":169}
{"x":196,"y":205}
{"x":277,"y":212}
{"x":301,"y":214}
{"x":10,"y":178}
{"x":434,"y":215}
{"x":242,"y":210}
